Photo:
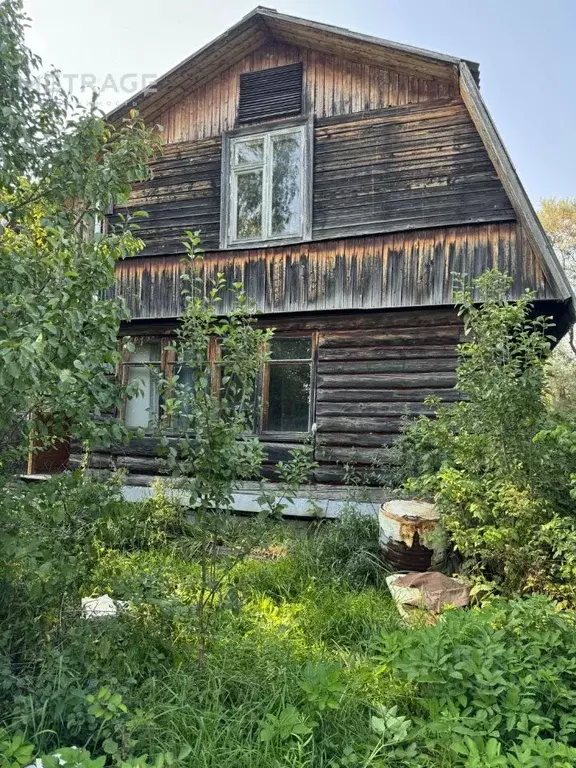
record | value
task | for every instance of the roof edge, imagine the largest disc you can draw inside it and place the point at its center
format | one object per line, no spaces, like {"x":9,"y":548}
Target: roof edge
{"x":321,"y":26}
{"x":512,"y":185}
{"x":133,"y":101}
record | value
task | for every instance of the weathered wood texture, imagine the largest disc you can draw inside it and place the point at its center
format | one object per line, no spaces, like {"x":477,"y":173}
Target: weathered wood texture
{"x":399,"y":270}
{"x":371,"y":380}
{"x":266,"y":27}
{"x":403,"y":168}
{"x":184,"y":194}
{"x":374,"y":370}
{"x":392,"y":170}
{"x":333,"y":85}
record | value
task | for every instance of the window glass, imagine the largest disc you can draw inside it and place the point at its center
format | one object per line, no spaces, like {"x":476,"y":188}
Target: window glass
{"x":286,"y":184}
{"x":289,"y":398}
{"x":291,"y":348}
{"x":265,"y":187}
{"x":290,"y":370}
{"x":251,"y":151}
{"x":185,"y":375}
{"x":249,"y":205}
{"x":143,"y":410}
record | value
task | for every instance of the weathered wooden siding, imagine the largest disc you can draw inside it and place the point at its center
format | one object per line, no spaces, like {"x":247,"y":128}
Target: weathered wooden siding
{"x":373,"y":375}
{"x":183,"y":194}
{"x":397,"y":169}
{"x":332,"y":86}
{"x":382,"y":271}
{"x":403,"y":168}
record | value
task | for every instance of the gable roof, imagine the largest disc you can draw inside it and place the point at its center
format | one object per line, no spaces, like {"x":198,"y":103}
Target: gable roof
{"x":263,"y":24}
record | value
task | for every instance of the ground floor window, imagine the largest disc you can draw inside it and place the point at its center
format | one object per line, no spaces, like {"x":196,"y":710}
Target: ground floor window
{"x":143,"y":367}
{"x":287,"y":385}
{"x":284,"y":392}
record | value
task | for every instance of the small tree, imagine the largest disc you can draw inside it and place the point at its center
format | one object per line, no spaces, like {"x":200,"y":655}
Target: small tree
{"x":61,"y":168}
{"x":558,"y":217}
{"x":211,"y":404}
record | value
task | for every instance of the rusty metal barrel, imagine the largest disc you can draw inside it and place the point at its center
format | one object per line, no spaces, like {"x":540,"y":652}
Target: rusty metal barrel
{"x":411,"y":537}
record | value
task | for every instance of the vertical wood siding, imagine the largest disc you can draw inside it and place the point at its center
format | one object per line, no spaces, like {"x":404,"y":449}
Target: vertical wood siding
{"x":395,"y":270}
{"x":332,"y":86}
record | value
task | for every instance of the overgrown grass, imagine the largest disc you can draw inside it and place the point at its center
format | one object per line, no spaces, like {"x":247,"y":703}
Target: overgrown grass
{"x":308,"y":663}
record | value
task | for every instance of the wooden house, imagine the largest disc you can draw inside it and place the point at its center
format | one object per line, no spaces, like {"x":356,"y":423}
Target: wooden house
{"x":343,"y":179}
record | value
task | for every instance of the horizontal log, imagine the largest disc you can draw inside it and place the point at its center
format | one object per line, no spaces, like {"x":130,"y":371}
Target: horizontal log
{"x":360,"y":424}
{"x":386,"y":395}
{"x":327,"y":354}
{"x":330,"y":473}
{"x":395,"y":337}
{"x":372,"y":409}
{"x":434,"y":365}
{"x":142,"y":453}
{"x":279,"y":451}
{"x":352,"y":455}
{"x":96,"y":460}
{"x":137,"y":446}
{"x":152,"y":466}
{"x":337,"y":474}
{"x":361,"y":440}
{"x":388,"y":381}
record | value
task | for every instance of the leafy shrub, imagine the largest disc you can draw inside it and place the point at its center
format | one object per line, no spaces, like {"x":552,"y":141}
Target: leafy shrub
{"x":493,"y":686}
{"x":499,"y":464}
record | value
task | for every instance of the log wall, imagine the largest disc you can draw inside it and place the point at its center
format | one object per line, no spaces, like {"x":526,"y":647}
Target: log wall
{"x":381,"y":271}
{"x":373,"y":370}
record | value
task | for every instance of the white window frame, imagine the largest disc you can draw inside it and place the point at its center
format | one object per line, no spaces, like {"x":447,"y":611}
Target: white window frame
{"x":230,"y":172}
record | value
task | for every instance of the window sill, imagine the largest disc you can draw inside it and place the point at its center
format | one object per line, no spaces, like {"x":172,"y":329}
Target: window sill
{"x":245,"y":245}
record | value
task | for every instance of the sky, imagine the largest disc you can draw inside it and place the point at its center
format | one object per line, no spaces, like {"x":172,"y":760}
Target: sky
{"x":525,"y":48}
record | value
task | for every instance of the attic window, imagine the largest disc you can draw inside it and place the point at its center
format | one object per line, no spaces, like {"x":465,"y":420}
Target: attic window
{"x":266,"y":186}
{"x":270,"y":93}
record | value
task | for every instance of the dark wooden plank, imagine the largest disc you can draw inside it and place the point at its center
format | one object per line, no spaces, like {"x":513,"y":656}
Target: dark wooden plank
{"x":388,"y":381}
{"x":408,"y":408}
{"x":395,"y":337}
{"x":349,"y":455}
{"x":278,"y":451}
{"x":356,"y":439}
{"x":386,"y":353}
{"x":341,"y":395}
{"x":350,"y":367}
{"x":359,"y":424}
{"x":141,"y":464}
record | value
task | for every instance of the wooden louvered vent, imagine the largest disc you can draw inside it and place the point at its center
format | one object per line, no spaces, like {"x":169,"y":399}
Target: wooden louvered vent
{"x":273,"y":92}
